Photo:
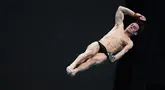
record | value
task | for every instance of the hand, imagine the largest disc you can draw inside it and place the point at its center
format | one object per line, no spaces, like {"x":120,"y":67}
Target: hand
{"x":112,"y":58}
{"x":141,"y":16}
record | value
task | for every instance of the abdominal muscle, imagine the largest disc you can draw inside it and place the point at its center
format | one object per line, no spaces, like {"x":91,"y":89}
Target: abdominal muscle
{"x":113,"y":41}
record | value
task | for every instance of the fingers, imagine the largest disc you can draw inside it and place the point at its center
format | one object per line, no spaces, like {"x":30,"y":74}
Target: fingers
{"x":112,"y":58}
{"x":142,"y":18}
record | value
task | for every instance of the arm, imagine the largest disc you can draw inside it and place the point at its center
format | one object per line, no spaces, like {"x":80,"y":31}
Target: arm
{"x":123,"y":51}
{"x":121,"y":11}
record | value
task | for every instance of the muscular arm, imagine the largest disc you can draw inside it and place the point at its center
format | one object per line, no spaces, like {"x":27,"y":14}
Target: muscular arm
{"x":123,"y":51}
{"x":121,"y":11}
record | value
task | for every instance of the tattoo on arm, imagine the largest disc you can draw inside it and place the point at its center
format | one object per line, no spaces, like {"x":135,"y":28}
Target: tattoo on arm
{"x":121,"y":11}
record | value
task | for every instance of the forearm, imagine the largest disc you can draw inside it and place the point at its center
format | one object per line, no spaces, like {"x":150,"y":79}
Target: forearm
{"x":126,"y":11}
{"x":119,"y":55}
{"x":123,"y":51}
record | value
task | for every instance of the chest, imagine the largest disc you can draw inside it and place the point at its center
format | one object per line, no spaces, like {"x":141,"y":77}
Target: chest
{"x":119,"y":38}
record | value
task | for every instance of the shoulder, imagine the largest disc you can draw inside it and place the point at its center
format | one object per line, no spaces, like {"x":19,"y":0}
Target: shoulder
{"x":130,"y":43}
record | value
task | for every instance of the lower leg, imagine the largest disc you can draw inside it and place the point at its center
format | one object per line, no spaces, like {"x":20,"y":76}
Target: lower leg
{"x":84,"y":66}
{"x":91,"y":50}
{"x":81,"y":58}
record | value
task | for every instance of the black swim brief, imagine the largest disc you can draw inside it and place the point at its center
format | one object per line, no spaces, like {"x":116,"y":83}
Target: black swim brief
{"x":103,"y":50}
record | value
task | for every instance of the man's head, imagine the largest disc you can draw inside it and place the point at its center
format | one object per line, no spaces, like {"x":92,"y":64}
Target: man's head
{"x":135,"y":27}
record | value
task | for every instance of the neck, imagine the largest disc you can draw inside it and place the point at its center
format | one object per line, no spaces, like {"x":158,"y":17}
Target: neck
{"x":128,"y":33}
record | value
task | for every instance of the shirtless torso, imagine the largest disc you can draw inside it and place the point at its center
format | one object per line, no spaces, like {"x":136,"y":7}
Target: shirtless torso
{"x":116,"y":39}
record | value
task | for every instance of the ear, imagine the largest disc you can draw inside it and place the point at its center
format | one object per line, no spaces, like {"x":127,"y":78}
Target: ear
{"x":135,"y":33}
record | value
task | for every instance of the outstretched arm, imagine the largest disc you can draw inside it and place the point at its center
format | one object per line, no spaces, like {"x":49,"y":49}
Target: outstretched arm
{"x":123,"y":51}
{"x":121,"y":11}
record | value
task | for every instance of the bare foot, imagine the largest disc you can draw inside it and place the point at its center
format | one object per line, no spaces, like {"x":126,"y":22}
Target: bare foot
{"x":68,"y":70}
{"x":73,"y":73}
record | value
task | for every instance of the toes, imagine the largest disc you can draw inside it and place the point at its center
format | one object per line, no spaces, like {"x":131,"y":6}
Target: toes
{"x":73,"y":73}
{"x":68,"y":70}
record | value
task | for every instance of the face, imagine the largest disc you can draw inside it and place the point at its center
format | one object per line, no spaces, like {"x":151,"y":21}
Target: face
{"x":133,"y":28}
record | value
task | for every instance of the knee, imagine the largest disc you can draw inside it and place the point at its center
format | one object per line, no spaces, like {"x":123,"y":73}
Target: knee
{"x":82,"y":55}
{"x":85,"y":54}
{"x":88,"y":52}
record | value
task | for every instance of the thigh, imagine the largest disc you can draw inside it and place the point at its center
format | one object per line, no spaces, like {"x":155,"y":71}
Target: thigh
{"x":99,"y":58}
{"x":93,"y":48}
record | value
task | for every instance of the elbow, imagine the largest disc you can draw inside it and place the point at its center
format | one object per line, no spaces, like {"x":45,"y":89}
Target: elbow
{"x":131,"y":45}
{"x":120,"y":7}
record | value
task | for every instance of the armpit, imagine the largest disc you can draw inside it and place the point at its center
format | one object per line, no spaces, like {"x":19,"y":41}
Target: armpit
{"x":119,"y":17}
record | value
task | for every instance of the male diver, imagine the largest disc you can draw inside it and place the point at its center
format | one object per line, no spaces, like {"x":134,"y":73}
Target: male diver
{"x":116,"y":40}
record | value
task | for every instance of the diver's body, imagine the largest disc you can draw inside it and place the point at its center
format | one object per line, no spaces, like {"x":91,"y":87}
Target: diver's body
{"x":116,"y":40}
